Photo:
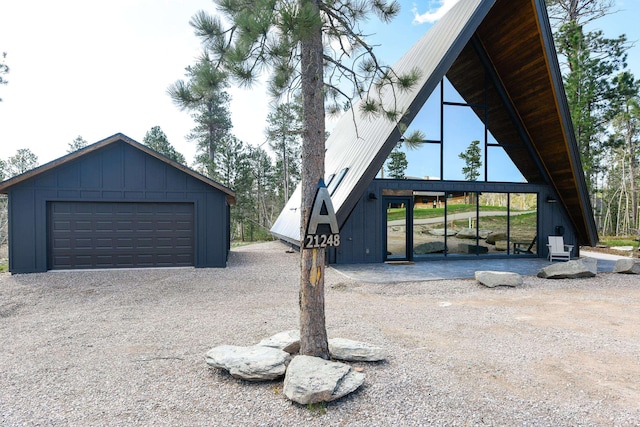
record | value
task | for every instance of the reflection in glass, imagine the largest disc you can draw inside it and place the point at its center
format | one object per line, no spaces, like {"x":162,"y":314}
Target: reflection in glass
{"x":523,"y":220}
{"x":428,"y":223}
{"x":424,"y":162}
{"x":461,"y":127}
{"x":396,"y":230}
{"x":427,"y":120}
{"x":494,"y":222}
{"x":500,"y":167}
{"x":462,"y":219}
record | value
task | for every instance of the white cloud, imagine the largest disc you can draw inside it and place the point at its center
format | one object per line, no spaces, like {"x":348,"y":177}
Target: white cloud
{"x":434,"y":12}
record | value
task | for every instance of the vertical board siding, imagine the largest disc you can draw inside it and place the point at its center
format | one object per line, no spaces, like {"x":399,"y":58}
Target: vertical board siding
{"x":116,"y":172}
{"x":365,"y":227}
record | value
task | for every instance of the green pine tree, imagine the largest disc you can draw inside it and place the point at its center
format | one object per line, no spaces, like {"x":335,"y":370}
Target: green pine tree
{"x":204,"y":95}
{"x":473,"y":161}
{"x":303,"y":43}
{"x":397,"y":164}
{"x":284,"y":131}
{"x":77,"y":144}
{"x":157,"y":140}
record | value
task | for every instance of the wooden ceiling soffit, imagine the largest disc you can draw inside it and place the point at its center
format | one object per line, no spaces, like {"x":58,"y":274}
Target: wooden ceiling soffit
{"x":514,"y":41}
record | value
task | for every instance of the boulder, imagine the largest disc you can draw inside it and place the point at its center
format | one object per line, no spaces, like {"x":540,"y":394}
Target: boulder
{"x":501,"y":245}
{"x":441,"y":232}
{"x":355,"y":351}
{"x":312,"y":380}
{"x":255,"y":363}
{"x":422,"y":229}
{"x":466,"y":233}
{"x":470,"y":233}
{"x":467,"y":248}
{"x":496,"y":236}
{"x":491,"y":279}
{"x":288,"y":341}
{"x":583,"y":267}
{"x":483,"y":234}
{"x":429,"y":248}
{"x":627,"y":266}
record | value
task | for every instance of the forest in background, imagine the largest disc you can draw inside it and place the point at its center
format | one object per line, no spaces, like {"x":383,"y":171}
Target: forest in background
{"x":603,"y":96}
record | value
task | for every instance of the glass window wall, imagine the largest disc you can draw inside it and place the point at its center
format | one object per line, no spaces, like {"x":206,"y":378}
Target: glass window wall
{"x":428,"y":224}
{"x":468,"y":223}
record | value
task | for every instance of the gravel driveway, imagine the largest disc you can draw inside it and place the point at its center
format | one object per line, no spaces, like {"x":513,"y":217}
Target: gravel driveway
{"x":127,"y":348}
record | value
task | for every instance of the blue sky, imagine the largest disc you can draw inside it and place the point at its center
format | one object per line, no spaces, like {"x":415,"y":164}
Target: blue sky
{"x":97,"y":68}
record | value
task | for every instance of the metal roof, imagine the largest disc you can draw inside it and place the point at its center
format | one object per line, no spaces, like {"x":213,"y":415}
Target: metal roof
{"x":515,"y":39}
{"x":5,"y":185}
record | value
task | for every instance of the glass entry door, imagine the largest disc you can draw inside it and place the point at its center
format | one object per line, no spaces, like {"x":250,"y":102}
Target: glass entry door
{"x":398,"y":233}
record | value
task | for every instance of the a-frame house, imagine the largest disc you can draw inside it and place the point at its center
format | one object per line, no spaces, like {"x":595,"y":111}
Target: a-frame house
{"x":499,"y":59}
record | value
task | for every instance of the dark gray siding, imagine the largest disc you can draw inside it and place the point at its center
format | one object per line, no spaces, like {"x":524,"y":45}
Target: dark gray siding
{"x":362,"y":235}
{"x":116,"y":172}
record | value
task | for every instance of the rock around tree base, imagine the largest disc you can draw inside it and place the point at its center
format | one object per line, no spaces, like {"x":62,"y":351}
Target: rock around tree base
{"x":312,"y":380}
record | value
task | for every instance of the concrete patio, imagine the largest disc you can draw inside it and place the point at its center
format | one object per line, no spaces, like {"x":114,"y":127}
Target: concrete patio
{"x":456,"y":269}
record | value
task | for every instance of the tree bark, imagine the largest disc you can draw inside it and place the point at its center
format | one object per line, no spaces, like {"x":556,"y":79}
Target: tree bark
{"x":632,"y":171}
{"x":313,"y":333}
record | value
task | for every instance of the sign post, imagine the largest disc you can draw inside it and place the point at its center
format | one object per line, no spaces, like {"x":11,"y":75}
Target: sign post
{"x":322,"y":227}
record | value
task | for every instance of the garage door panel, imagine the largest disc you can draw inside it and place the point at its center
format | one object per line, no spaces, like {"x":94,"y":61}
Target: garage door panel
{"x":120,"y":235}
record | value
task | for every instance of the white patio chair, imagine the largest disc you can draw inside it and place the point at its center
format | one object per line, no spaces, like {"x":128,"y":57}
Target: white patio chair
{"x":558,"y":250}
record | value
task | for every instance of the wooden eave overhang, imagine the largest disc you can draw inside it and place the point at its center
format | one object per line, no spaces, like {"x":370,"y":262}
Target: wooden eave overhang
{"x":516,"y":41}
{"x":230,"y":195}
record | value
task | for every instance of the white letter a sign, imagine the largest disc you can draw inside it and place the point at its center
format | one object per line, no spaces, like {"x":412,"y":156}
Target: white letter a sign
{"x":322,"y":212}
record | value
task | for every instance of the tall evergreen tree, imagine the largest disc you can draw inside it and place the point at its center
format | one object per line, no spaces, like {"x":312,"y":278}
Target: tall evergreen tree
{"x":284,"y":130}
{"x":157,"y":140}
{"x":397,"y":164}
{"x":77,"y":144}
{"x":472,"y":161}
{"x":626,"y":138}
{"x":591,"y":63}
{"x":24,"y":160}
{"x":233,"y":170}
{"x":264,"y":190}
{"x":204,"y":95}
{"x":309,"y":44}
{"x":579,"y":11}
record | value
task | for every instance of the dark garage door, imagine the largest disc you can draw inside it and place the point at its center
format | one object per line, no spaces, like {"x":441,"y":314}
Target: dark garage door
{"x":120,"y":235}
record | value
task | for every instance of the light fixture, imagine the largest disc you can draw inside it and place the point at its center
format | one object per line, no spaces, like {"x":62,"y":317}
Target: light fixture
{"x":372,"y":196}
{"x":551,"y":199}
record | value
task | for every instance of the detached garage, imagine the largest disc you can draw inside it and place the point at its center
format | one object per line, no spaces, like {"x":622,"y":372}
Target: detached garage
{"x":116,"y":204}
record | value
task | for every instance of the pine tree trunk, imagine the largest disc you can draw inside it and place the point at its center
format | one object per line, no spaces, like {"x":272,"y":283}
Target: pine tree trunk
{"x":313,"y":333}
{"x":632,"y":176}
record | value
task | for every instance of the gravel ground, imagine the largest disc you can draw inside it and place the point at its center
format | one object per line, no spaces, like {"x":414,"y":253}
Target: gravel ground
{"x":127,"y":348}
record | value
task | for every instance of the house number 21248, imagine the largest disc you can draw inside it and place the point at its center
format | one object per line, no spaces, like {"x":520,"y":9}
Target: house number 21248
{"x":321,"y":240}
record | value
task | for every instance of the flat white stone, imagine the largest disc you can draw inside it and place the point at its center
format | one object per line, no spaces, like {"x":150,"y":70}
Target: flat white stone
{"x":255,"y":363}
{"x":627,"y":266}
{"x":288,"y":341}
{"x":355,"y":351}
{"x":312,"y":380}
{"x":491,"y":279}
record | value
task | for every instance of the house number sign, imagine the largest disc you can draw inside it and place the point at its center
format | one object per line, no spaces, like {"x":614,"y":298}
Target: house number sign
{"x":322,"y":227}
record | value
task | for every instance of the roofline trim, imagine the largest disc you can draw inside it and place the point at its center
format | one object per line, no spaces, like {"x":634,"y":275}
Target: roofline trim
{"x":4,"y":186}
